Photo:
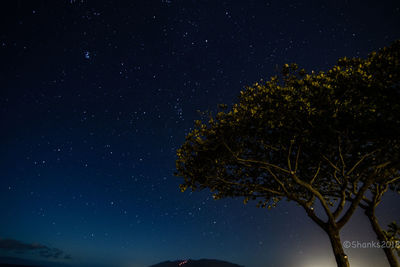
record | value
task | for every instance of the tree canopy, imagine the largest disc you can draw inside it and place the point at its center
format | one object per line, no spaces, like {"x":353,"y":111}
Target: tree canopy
{"x":303,"y":137}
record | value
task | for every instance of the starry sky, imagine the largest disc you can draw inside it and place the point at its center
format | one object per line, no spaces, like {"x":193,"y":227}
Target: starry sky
{"x":96,"y":96}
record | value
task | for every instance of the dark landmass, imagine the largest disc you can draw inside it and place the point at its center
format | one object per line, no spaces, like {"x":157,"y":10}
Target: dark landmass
{"x":197,"y":263}
{"x":15,"y":265}
{"x":19,"y":262}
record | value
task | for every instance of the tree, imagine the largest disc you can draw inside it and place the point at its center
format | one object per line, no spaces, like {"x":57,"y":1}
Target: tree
{"x":390,"y":178}
{"x":393,"y":235}
{"x":304,"y":138}
{"x":369,"y":205}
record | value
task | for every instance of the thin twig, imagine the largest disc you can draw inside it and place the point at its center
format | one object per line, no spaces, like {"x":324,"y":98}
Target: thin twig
{"x":297,"y":159}
{"x":316,"y":173}
{"x":359,"y":162}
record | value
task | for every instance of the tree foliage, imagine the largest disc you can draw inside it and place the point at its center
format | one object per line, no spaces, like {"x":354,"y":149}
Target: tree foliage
{"x":302,"y":126}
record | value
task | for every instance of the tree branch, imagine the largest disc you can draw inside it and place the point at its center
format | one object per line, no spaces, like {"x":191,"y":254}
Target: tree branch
{"x":297,"y":159}
{"x":355,"y":202}
{"x":340,"y":207}
{"x":330,"y":163}
{"x":342,"y":159}
{"x":359,"y":162}
{"x":278,"y":180}
{"x":310,"y":212}
{"x":393,"y":180}
{"x":288,"y":157}
{"x":317,"y":194}
{"x":316,"y":173}
{"x":255,"y":186}
{"x":255,"y":161}
{"x":305,"y":205}
{"x":336,"y":178}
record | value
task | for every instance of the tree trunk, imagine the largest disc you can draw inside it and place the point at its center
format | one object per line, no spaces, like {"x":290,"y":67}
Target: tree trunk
{"x":391,"y":257}
{"x":341,"y":258}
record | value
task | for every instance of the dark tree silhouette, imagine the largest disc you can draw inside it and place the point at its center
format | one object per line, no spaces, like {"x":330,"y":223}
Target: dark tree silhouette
{"x":369,"y":205}
{"x":326,"y":137}
{"x":393,"y":236}
{"x":387,"y":61}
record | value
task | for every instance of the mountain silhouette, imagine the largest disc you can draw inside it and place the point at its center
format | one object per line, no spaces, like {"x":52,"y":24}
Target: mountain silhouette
{"x":20,"y":262}
{"x":196,"y":263}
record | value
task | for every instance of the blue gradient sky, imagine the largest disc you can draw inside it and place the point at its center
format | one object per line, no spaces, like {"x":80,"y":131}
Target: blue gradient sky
{"x":96,"y":97}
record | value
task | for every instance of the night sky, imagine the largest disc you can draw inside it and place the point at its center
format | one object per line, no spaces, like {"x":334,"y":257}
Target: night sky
{"x":96,"y":96}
